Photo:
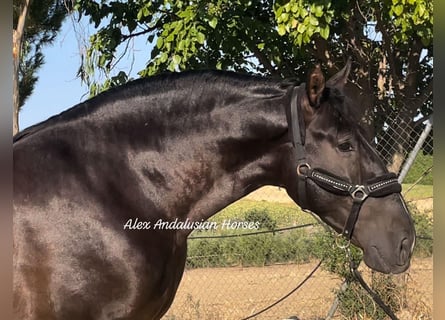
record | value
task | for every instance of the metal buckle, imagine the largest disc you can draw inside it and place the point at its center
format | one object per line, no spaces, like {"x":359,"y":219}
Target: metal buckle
{"x":305,"y":167}
{"x":340,"y":238}
{"x":359,"y":193}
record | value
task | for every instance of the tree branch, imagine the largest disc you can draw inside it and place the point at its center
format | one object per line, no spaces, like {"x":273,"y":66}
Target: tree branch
{"x":413,"y":66}
{"x":395,"y":69}
{"x":355,"y":29}
{"x":423,"y":97}
{"x":136,"y":34}
{"x":264,"y":60}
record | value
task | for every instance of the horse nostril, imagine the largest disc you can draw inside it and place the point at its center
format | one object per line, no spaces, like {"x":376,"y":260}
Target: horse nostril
{"x":405,"y":251}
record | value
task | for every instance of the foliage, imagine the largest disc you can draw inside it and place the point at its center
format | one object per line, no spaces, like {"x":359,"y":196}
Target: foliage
{"x":335,"y":258}
{"x":412,"y":18}
{"x":258,"y":250}
{"x":43,"y":22}
{"x":262,"y":217}
{"x":390,"y":42}
{"x":303,"y":20}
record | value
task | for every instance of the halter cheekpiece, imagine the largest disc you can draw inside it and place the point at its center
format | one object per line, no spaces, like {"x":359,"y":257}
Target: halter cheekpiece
{"x":380,"y":186}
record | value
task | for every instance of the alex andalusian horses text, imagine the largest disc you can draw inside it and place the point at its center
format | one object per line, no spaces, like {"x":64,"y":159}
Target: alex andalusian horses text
{"x":180,"y":147}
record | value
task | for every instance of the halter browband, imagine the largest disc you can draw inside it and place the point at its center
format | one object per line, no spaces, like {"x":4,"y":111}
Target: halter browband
{"x":381,"y":186}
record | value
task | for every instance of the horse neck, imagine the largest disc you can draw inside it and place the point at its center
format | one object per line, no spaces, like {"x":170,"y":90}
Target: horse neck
{"x":215,"y":155}
{"x":192,"y":159}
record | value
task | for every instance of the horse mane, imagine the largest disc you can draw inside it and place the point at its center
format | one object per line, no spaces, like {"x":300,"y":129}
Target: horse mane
{"x":166,"y":83}
{"x":341,"y":107}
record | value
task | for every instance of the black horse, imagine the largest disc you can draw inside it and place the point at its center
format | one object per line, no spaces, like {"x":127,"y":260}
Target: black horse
{"x":91,"y":183}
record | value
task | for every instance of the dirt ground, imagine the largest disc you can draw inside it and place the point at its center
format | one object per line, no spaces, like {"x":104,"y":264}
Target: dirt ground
{"x":234,"y":293}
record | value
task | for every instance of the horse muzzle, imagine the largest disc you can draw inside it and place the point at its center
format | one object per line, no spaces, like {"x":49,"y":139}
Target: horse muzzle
{"x":390,"y":259}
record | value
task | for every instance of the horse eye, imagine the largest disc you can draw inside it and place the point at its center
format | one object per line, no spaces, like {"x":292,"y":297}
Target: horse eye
{"x":345,"y":147}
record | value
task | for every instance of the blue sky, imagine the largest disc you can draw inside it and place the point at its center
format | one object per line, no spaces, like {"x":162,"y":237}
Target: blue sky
{"x":58,"y":88}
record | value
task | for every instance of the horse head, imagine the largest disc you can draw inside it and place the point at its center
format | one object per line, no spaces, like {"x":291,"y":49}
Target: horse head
{"x":341,"y":178}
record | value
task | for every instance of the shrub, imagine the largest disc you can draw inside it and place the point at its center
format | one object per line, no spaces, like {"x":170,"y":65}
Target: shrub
{"x":261,"y":216}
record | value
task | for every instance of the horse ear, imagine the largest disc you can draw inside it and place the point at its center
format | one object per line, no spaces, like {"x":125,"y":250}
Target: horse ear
{"x":315,"y":86}
{"x":340,"y":78}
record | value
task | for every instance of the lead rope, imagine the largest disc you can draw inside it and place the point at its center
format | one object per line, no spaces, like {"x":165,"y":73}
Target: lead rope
{"x":357,"y":275}
{"x":353,"y":268}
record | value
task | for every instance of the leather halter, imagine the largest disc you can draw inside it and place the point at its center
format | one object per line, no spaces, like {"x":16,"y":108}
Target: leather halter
{"x":380,"y":186}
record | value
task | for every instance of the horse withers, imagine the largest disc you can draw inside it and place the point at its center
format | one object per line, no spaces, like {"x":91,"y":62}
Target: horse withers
{"x":91,"y":183}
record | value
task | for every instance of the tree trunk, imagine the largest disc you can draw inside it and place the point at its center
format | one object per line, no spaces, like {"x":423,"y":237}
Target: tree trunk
{"x":15,"y":83}
{"x":17,"y":37}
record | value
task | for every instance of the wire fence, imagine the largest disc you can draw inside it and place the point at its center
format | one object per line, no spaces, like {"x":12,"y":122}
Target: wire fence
{"x":235,"y":274}
{"x":239,"y":290}
{"x":397,"y":138}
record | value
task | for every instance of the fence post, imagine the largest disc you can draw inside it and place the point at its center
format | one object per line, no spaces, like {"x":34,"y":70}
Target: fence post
{"x":412,"y":156}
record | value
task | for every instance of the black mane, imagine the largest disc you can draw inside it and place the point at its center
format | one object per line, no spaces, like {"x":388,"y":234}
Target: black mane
{"x":189,"y":83}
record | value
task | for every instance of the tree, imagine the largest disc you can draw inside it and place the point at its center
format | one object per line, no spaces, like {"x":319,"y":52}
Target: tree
{"x":35,"y":24}
{"x":390,"y":42}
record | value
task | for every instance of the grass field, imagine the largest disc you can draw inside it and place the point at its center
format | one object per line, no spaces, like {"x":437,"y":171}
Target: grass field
{"x":417,"y":192}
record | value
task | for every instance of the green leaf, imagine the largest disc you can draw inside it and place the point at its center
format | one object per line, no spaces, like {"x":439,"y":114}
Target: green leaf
{"x":313,"y":21}
{"x":171,"y":66}
{"x":285,"y":17}
{"x":170,"y":37}
{"x":200,"y":37}
{"x":303,"y":12}
{"x":281,"y":30}
{"x":421,"y":9}
{"x":176,"y":59}
{"x":398,"y":9}
{"x":160,"y":42}
{"x":324,"y":32}
{"x":301,"y":28}
{"x":181,"y":45}
{"x":213,"y":22}
{"x":299,"y":39}
{"x":164,"y":57}
{"x":139,"y":15}
{"x":318,"y":11}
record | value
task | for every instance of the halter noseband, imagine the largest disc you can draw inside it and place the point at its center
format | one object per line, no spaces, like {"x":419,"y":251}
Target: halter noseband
{"x":383,"y":185}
